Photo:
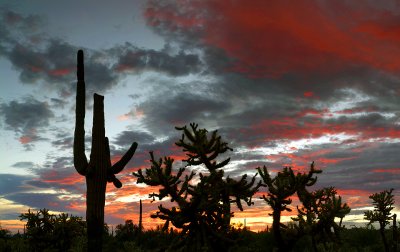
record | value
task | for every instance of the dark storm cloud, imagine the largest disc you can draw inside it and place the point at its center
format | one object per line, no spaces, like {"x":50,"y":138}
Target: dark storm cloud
{"x":28,"y":24}
{"x":58,"y":103}
{"x":52,"y":62}
{"x":15,"y":28}
{"x":126,"y":138}
{"x":63,"y":140}
{"x":58,"y":173}
{"x":368,"y":166}
{"x":12,"y":184}
{"x":228,"y":43}
{"x":56,"y":64}
{"x":26,"y":118}
{"x":163,"y":113}
{"x":131,"y":58}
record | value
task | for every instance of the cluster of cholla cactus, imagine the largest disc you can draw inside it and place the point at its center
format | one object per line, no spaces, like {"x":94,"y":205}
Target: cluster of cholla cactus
{"x":203,"y":210}
{"x":280,"y":188}
{"x":49,"y":232}
{"x":316,"y":216}
{"x":383,"y":204}
{"x":98,"y":171}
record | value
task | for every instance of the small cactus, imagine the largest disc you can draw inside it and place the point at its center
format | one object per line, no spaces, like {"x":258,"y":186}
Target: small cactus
{"x":98,"y":171}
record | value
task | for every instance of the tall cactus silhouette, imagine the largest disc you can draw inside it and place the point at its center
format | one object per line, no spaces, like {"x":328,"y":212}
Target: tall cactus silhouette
{"x":140,"y":217}
{"x":98,"y":171}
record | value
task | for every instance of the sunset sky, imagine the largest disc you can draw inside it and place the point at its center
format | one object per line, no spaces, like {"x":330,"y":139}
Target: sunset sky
{"x":284,"y":82}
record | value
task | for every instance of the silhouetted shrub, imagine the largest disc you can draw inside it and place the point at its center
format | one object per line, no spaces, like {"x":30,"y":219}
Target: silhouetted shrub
{"x":48,"y":232}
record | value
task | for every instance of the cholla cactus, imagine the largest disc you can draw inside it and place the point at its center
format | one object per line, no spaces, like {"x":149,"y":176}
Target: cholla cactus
{"x":98,"y":171}
{"x":280,"y":188}
{"x":383,"y":204}
{"x":203,"y":210}
{"x":317,"y":215}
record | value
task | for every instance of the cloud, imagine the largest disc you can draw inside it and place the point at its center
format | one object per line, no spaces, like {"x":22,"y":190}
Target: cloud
{"x":12,"y":184}
{"x":162,"y":113}
{"x":56,"y":64}
{"x":126,"y":138}
{"x":283,"y":48}
{"x":131,"y":58}
{"x":16,"y":28}
{"x":51,"y":62}
{"x":63,"y":140}
{"x":273,"y":39}
{"x":23,"y":165}
{"x":26,"y":118}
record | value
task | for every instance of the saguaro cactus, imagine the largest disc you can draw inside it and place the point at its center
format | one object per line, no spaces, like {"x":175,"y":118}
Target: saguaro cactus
{"x":140,"y":218}
{"x":98,"y":171}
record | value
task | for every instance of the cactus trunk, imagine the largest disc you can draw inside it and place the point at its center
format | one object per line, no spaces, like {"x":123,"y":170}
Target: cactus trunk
{"x":140,"y":217}
{"x":96,"y":180}
{"x":395,"y":235}
{"x":99,"y":170}
{"x":276,"y":229}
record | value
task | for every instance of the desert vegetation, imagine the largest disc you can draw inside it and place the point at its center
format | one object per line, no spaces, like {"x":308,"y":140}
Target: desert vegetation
{"x":64,"y":232}
{"x":203,"y":200}
{"x":200,"y":220}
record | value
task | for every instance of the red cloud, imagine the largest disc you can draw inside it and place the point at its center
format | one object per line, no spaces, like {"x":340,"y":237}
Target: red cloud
{"x":272,"y":38}
{"x":308,"y":94}
{"x":60,"y":72}
{"x":25,"y":139}
{"x":393,"y":171}
{"x":295,"y":128}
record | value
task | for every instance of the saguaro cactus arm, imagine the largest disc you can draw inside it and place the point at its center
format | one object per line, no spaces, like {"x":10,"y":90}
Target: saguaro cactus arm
{"x":80,"y":160}
{"x":119,"y":166}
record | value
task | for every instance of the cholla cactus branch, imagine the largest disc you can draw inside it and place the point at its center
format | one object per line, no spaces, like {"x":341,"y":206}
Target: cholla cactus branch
{"x":203,"y":210}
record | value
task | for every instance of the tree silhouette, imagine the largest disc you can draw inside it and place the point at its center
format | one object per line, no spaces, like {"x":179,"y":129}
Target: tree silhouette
{"x":383,"y":204}
{"x":99,"y":170}
{"x":203,"y":209}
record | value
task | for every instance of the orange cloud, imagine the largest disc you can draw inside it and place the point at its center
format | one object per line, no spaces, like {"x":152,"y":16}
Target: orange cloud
{"x":54,"y":177}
